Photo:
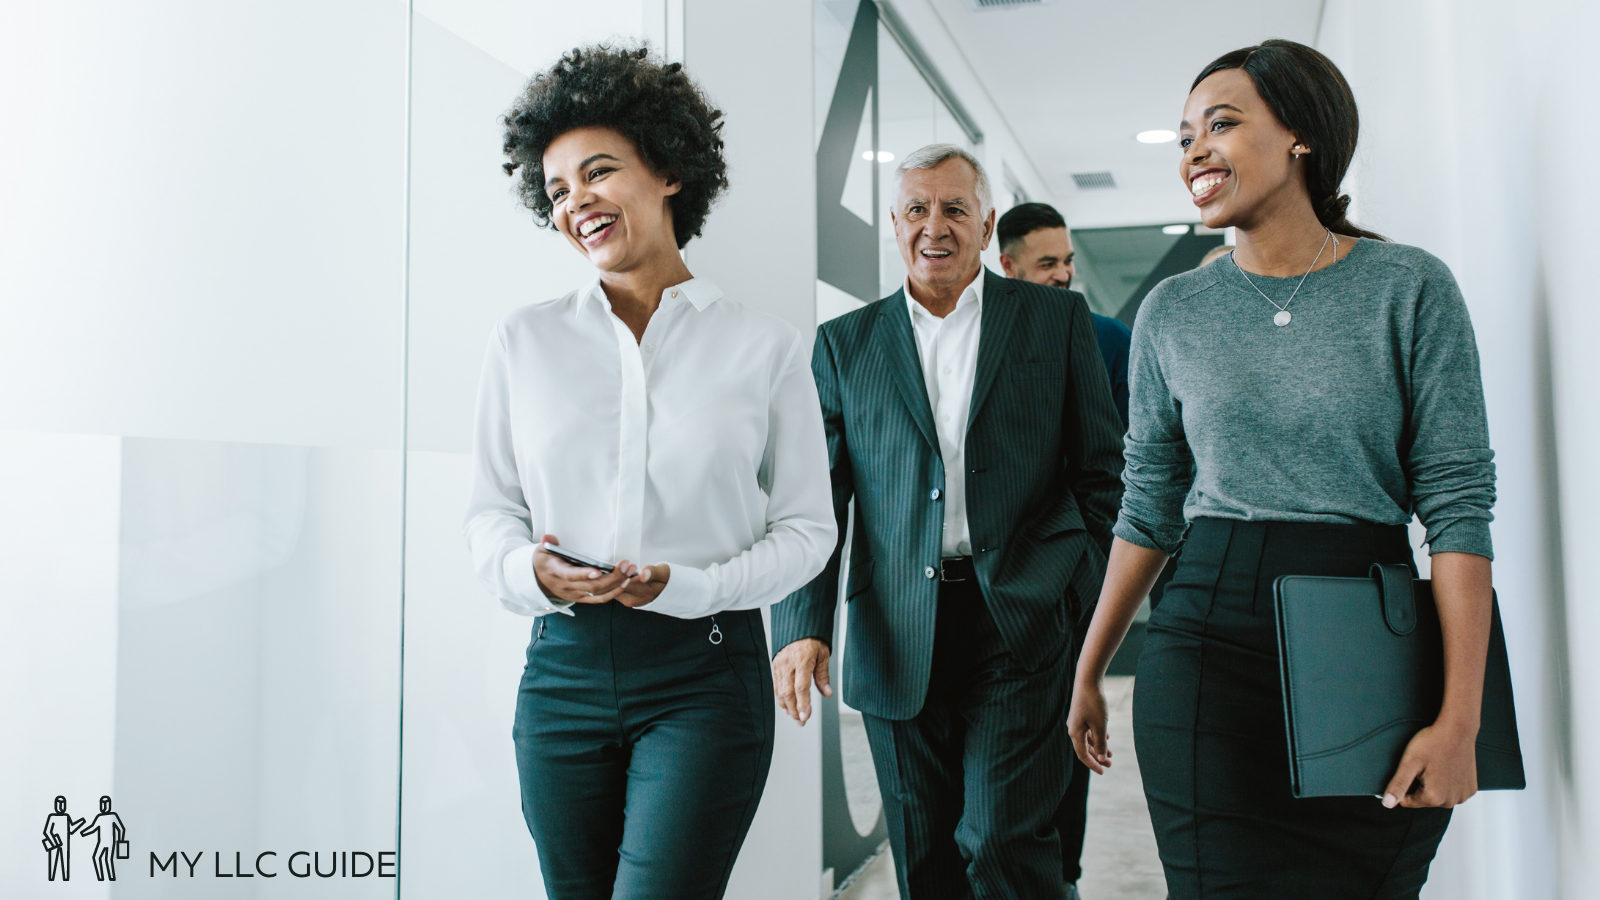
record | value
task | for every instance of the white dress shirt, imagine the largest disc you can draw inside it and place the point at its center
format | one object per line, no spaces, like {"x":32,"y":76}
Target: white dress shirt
{"x":700,"y":446}
{"x":948,"y":348}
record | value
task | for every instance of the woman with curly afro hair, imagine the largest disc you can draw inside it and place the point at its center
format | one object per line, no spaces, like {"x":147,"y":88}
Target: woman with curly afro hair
{"x":649,"y":467}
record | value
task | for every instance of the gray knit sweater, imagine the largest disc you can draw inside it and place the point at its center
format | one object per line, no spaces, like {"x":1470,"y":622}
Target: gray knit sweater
{"x":1367,"y":407}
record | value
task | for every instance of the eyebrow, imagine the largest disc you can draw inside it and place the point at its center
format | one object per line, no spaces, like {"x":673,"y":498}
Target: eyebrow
{"x":581,"y":166}
{"x":1210,"y":110}
{"x":955,"y":201}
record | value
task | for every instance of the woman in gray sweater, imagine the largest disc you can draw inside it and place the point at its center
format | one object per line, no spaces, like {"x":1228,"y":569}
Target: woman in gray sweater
{"x":1293,"y":405}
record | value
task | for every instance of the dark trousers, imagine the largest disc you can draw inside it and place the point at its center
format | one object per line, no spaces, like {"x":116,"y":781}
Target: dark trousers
{"x":1209,"y":730}
{"x":970,"y":784}
{"x":1072,"y":818}
{"x":642,"y":749}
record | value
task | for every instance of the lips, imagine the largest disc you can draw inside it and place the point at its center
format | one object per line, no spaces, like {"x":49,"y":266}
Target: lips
{"x":1204,"y":185}
{"x":593,"y":229}
{"x":934,"y":253}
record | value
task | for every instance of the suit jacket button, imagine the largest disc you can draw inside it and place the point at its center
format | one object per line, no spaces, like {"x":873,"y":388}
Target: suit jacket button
{"x":933,"y":494}
{"x":931,"y":572}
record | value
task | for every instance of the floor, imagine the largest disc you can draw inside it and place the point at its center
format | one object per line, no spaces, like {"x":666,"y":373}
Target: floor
{"x":1119,"y":854}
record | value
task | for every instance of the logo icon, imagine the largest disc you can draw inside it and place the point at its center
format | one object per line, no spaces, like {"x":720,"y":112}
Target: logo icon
{"x":110,"y":841}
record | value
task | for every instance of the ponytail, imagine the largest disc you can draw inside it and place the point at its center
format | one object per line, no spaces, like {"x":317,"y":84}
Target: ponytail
{"x":1331,"y":212}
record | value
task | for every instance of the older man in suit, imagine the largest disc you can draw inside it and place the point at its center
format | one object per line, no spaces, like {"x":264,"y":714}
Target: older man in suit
{"x":970,"y":419}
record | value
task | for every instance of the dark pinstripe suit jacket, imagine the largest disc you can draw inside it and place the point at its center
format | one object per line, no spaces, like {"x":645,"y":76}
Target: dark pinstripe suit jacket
{"x":1043,"y":464}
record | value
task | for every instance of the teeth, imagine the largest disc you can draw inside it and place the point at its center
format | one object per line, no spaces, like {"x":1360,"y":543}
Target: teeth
{"x":1205,"y":184}
{"x":936,"y":253}
{"x":595,"y":224}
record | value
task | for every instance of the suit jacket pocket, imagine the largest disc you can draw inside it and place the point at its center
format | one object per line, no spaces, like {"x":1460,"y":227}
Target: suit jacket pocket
{"x":860,"y":580}
{"x":1060,"y":521}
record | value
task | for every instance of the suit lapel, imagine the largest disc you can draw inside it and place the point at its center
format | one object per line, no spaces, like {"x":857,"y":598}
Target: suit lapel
{"x":895,"y":339}
{"x":999,"y":320}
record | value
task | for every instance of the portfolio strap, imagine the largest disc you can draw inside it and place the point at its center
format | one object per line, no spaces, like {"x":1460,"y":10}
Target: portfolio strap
{"x":1395,"y":592}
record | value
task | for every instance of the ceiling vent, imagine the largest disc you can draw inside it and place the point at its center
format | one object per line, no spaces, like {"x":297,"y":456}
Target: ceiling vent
{"x":1093,"y":181}
{"x":982,"y":5}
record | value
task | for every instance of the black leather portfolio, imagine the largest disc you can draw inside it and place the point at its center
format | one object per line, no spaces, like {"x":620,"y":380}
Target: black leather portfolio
{"x":1362,"y":662}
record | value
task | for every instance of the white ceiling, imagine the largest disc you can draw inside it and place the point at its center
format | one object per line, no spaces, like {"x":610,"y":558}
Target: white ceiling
{"x":1077,"y":79}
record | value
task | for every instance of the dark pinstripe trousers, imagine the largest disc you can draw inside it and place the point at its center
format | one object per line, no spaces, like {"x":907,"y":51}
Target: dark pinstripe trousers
{"x":970,"y":784}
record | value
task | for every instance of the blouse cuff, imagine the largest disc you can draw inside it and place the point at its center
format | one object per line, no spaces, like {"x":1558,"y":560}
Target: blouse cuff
{"x":688,"y":594}
{"x":524,"y":585}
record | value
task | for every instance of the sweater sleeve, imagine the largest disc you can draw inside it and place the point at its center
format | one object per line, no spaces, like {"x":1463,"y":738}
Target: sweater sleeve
{"x":1158,"y":466}
{"x":1449,"y":466}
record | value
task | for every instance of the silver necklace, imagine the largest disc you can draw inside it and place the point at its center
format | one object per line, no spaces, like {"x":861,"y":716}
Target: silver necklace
{"x":1283,"y":317}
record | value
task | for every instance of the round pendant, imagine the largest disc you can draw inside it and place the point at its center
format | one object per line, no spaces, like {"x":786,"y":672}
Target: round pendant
{"x":1282,"y":318}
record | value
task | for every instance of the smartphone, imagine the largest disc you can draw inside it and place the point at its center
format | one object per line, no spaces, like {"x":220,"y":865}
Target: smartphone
{"x":576,"y":558}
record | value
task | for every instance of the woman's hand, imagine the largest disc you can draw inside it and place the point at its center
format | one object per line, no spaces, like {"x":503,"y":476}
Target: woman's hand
{"x":1086,"y":725}
{"x":578,"y":584}
{"x":1439,"y":768}
{"x":645,"y":585}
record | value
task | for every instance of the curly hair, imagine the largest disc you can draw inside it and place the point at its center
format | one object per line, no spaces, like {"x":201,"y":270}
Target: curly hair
{"x":653,"y":104}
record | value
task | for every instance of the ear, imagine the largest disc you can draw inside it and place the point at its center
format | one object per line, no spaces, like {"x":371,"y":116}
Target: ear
{"x":1008,"y":265}
{"x":1299,"y":148}
{"x":673,"y":186}
{"x":988,"y":230}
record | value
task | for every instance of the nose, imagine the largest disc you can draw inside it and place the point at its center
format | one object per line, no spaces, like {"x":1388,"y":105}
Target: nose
{"x":937,"y":225}
{"x":578,"y":197}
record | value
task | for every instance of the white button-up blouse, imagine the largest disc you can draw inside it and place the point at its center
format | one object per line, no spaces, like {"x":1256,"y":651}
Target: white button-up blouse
{"x":700,"y":446}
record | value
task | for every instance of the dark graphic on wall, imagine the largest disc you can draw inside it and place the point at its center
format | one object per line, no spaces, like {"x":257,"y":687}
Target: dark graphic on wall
{"x":847,"y":247}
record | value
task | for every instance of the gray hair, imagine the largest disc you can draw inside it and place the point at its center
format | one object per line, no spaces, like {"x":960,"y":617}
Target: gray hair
{"x":934,"y":154}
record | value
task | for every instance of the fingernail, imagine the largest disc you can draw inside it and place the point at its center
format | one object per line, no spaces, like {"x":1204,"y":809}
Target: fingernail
{"x":1389,"y":801}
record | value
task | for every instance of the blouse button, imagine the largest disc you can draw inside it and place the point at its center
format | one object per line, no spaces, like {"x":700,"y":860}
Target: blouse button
{"x":674,"y":293}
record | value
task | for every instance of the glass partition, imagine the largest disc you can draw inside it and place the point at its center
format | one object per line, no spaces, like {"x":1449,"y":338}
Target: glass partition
{"x":200,"y":442}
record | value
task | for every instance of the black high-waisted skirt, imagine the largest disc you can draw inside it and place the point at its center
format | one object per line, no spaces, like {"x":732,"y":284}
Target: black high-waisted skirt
{"x":1209,"y":730}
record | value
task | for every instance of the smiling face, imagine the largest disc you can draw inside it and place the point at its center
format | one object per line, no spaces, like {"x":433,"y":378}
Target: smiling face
{"x":1239,"y":162}
{"x":941,"y":227}
{"x":1042,"y":256}
{"x":607,"y":200}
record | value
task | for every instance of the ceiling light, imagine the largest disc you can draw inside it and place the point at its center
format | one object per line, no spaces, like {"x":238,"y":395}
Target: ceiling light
{"x":882,"y":156}
{"x":1174,"y":229}
{"x":1155,"y":136}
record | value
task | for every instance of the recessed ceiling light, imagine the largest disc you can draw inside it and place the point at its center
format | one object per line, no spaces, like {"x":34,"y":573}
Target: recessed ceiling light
{"x":1155,"y":136}
{"x":1175,"y":229}
{"x":882,"y":156}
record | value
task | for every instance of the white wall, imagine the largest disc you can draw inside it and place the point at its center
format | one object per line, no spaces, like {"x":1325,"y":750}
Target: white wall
{"x":1477,"y":137}
{"x":760,"y":247}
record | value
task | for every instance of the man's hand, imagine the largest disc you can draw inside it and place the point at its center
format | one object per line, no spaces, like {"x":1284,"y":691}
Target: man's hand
{"x":793,"y":670}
